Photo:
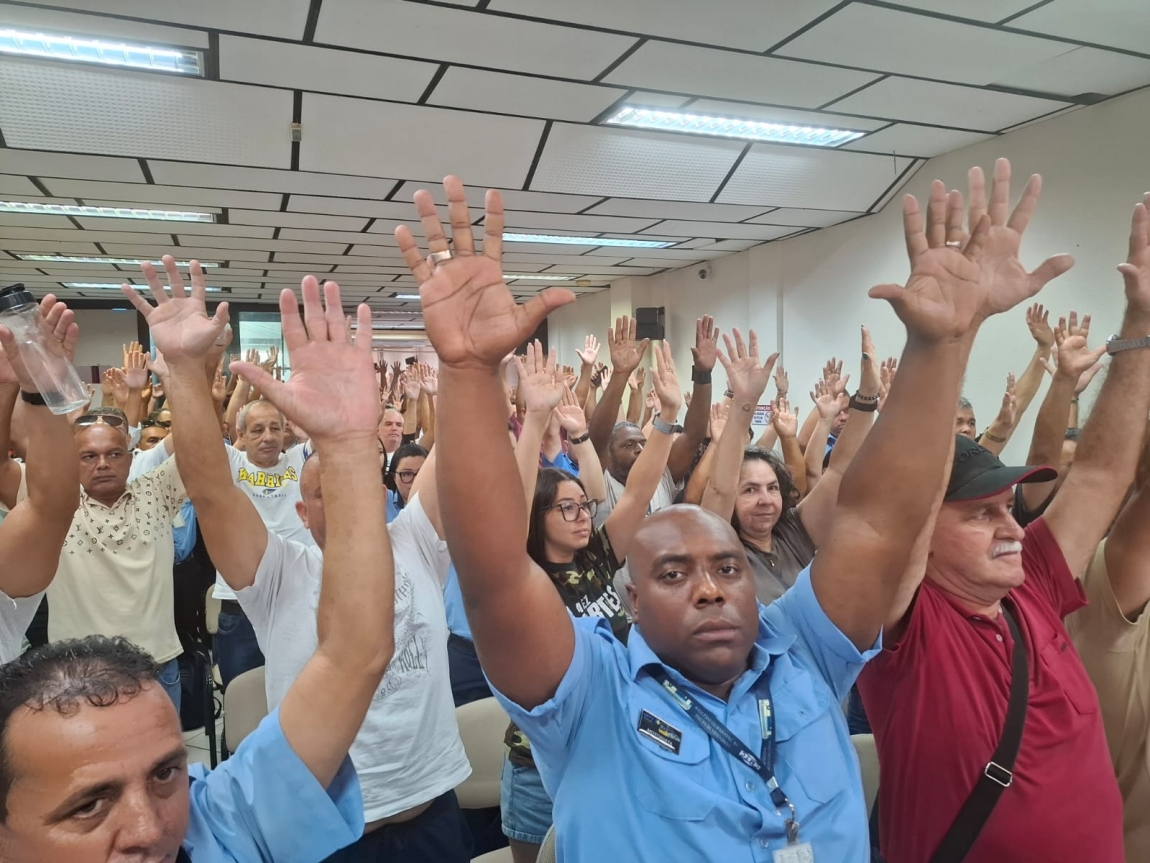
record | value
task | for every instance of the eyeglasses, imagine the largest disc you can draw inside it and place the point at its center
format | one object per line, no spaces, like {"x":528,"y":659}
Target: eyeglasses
{"x":107,"y":419}
{"x":570,"y":510}
{"x":406,"y":475}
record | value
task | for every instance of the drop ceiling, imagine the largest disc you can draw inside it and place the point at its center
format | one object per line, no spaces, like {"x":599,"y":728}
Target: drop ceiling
{"x":391,"y":95}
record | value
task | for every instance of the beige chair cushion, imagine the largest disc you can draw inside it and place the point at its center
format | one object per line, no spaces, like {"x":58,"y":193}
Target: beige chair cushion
{"x":482,"y":726}
{"x":868,"y":762}
{"x":245,"y":706}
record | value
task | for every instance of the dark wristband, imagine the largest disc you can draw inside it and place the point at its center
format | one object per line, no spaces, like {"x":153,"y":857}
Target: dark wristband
{"x":32,"y":398}
{"x":700,"y":376}
{"x":583,"y":438}
{"x":864,"y":406}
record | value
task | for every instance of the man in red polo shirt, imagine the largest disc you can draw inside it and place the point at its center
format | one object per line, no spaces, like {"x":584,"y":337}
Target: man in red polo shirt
{"x":937,"y":695}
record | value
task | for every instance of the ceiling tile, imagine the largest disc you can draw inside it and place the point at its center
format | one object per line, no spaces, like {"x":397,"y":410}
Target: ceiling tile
{"x":730,"y":245}
{"x":908,"y":139}
{"x":281,"y":18}
{"x":727,"y":75}
{"x":462,"y":36}
{"x":56,"y":21}
{"x":339,"y":237}
{"x":295,"y":220}
{"x":1080,"y":71}
{"x":810,"y":178}
{"x":975,"y":10}
{"x":724,"y":230}
{"x":753,"y":25}
{"x":154,"y":116}
{"x":513,"y":199}
{"x":619,"y":162}
{"x":910,"y":44}
{"x":639,"y":255}
{"x":148,"y":226}
{"x":1117,"y":23}
{"x":202,"y":252}
{"x":945,"y":104}
{"x":674,"y":210}
{"x":38,"y":163}
{"x":93,"y":191}
{"x":11,"y":184}
{"x":805,"y":218}
{"x":266,"y":245}
{"x":658,"y":100}
{"x":717,"y":107}
{"x":524,"y":95}
{"x":564,"y":263}
{"x":371,"y":209}
{"x":417,"y":141}
{"x":597,"y":224}
{"x":19,"y":220}
{"x":304,"y":67}
{"x":268,"y":180}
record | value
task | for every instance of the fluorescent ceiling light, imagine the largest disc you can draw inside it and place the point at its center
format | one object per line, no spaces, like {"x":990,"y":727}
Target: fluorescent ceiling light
{"x":110,"y":212}
{"x":730,"y":127}
{"x":86,"y":49}
{"x":541,"y":277}
{"x":110,"y":286}
{"x":585,"y":241}
{"x":80,"y":259}
{"x":405,"y":297}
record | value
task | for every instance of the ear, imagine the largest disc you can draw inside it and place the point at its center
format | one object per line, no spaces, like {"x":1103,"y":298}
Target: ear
{"x":301,"y":511}
{"x":633,"y":599}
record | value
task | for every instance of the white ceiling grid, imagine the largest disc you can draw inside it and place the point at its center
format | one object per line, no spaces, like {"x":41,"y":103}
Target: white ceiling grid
{"x":391,"y":95}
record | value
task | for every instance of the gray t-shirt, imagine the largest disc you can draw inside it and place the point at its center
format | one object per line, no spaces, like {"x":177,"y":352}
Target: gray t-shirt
{"x":792,"y":549}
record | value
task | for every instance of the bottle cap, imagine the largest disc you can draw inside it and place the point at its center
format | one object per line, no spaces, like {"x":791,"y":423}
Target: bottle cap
{"x":14,"y":296}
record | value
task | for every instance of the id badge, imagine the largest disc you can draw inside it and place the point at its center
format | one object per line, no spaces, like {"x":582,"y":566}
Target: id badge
{"x":800,"y":852}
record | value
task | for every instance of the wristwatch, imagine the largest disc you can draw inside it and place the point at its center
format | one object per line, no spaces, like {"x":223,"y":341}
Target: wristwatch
{"x":1116,"y":345}
{"x":661,"y":425}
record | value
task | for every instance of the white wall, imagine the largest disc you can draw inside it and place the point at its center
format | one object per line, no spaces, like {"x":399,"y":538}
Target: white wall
{"x":811,"y":290}
{"x":103,"y":333}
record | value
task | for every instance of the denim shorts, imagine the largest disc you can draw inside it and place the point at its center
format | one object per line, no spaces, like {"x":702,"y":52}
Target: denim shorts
{"x":525,"y":806}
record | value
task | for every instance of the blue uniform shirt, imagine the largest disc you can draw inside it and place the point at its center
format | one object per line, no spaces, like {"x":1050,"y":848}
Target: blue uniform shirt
{"x":453,"y":605}
{"x":394,"y":507}
{"x":699,"y":803}
{"x":263,"y":805}
{"x":562,"y":462}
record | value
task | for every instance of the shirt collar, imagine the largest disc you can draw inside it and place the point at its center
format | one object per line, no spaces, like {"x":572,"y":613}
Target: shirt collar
{"x":87,"y":500}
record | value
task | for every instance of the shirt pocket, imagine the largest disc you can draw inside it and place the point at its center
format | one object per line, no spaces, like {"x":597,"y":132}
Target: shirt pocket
{"x":1060,"y":660}
{"x":668,"y":782}
{"x":810,"y":740}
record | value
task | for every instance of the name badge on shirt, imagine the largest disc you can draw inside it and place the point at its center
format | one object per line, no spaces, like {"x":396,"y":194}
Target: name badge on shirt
{"x":800,"y":852}
{"x":663,"y":733}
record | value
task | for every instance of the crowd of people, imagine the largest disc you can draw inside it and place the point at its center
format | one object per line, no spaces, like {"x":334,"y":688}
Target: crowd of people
{"x":684,"y":623}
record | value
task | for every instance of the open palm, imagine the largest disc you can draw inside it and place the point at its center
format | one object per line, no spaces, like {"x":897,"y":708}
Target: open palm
{"x":179,"y":323}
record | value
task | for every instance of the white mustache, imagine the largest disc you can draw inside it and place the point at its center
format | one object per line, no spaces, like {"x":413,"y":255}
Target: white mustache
{"x":1002,"y":548}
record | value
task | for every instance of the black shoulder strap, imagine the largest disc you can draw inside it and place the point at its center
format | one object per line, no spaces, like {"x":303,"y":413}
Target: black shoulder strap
{"x":183,"y":857}
{"x":996,"y":776}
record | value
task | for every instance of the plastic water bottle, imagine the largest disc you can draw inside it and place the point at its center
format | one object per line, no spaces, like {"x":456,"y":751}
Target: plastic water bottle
{"x":55,"y":377}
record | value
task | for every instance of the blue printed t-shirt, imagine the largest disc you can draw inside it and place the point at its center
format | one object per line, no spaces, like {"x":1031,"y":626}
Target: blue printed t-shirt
{"x":263,"y":805}
{"x":699,"y":802}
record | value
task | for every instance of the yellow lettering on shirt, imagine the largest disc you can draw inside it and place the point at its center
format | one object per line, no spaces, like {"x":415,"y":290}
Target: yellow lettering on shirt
{"x":263,"y":479}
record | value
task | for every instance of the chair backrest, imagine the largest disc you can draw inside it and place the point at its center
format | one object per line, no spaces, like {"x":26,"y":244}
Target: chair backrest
{"x":211,"y":612}
{"x":868,"y":762}
{"x":547,"y":849}
{"x":245,"y":706}
{"x":482,"y":727}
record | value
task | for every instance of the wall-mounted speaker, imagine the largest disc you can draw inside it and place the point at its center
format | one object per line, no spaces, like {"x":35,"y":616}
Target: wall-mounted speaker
{"x":650,"y":322}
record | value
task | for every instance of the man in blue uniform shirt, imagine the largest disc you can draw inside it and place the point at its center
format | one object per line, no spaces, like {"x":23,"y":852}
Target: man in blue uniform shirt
{"x":716,"y":732}
{"x":92,"y":761}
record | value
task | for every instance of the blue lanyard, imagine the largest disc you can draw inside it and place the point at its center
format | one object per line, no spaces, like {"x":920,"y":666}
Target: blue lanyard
{"x":764,"y":763}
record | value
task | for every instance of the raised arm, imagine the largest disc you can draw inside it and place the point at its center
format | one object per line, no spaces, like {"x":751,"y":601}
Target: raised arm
{"x":587,"y":358}
{"x":701,"y":475}
{"x":746,"y":379}
{"x":1074,"y":360}
{"x":626,"y":354}
{"x":522,"y":630}
{"x":541,"y":391}
{"x":829,"y":400}
{"x":999,"y":432}
{"x":859,"y":570}
{"x":785,"y":425}
{"x":332,"y":395}
{"x":643,"y":480}
{"x":429,"y":389}
{"x":1029,"y":382}
{"x":232,"y":528}
{"x":1128,"y":548}
{"x":635,"y":396}
{"x":695,"y":424}
{"x":572,"y":420}
{"x":33,"y":533}
{"x":1112,"y":438}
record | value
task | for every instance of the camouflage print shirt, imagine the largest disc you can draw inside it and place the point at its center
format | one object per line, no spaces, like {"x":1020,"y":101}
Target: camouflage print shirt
{"x":586,"y":585}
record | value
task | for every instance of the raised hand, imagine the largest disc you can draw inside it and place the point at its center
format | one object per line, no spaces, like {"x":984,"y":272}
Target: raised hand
{"x":1009,"y":404}
{"x":1136,"y":270}
{"x":219,"y":383}
{"x":784,"y":420}
{"x":180,"y":324}
{"x":136,"y":370}
{"x":430,"y":380}
{"x":159,"y":366}
{"x":746,"y":376}
{"x":570,"y":413}
{"x":782,"y":382}
{"x":120,"y":389}
{"x":332,"y":391}
{"x":871,"y":378}
{"x":1038,"y":322}
{"x":720,"y":413}
{"x":827,"y":401}
{"x":470,"y":315}
{"x":667,"y":389}
{"x":590,"y":351}
{"x":886,"y":377}
{"x":626,"y":352}
{"x":705,"y":353}
{"x":270,"y":363}
{"x":58,"y":324}
{"x":539,"y":383}
{"x":1075,"y":358}
{"x":412,"y":384}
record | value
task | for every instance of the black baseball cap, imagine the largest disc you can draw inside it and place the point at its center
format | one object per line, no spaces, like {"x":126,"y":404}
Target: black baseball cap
{"x":978,"y":473}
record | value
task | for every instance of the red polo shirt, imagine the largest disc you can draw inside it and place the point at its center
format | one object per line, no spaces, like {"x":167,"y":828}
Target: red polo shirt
{"x":937,"y":701}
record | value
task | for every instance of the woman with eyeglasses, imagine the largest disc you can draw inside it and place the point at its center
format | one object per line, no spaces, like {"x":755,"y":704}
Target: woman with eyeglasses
{"x":580,"y":559}
{"x":400,"y":476}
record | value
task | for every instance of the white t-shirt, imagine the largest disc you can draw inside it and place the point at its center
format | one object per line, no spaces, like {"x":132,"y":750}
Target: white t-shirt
{"x":275,"y":492}
{"x":408,"y":750}
{"x":663,"y":497}
{"x":15,"y":618}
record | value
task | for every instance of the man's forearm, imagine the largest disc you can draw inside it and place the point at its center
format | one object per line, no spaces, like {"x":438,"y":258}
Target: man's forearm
{"x":1029,"y":383}
{"x":807,"y":429}
{"x":816,"y":451}
{"x":722,"y":486}
{"x":1050,"y":424}
{"x":583,"y":385}
{"x":199,"y":442}
{"x":635,"y":406}
{"x":796,"y":464}
{"x":527,"y":454}
{"x":606,"y":413}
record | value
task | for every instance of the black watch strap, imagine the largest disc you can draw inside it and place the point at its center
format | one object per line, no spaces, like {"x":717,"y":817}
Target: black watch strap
{"x":700,"y":376}
{"x":32,"y":398}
